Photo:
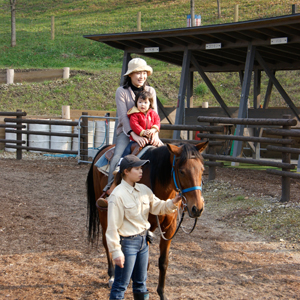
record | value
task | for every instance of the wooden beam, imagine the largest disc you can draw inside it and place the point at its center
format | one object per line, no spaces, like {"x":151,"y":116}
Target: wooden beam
{"x":161,"y":107}
{"x":259,"y":162}
{"x":237,"y":147}
{"x":190,"y":88}
{"x":283,"y":149}
{"x":249,"y":121}
{"x":257,"y":86}
{"x":283,"y":132}
{"x":268,"y":93}
{"x":126,"y":59}
{"x":182,"y":90}
{"x":279,"y":87}
{"x":210,"y":86}
{"x":284,"y":173}
{"x":192,"y":127}
{"x":246,"y":138}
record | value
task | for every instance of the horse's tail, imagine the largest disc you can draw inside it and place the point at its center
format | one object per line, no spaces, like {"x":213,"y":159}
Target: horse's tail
{"x":92,"y":211}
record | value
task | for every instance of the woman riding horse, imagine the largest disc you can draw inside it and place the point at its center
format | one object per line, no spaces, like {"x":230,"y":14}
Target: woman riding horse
{"x":134,"y":82}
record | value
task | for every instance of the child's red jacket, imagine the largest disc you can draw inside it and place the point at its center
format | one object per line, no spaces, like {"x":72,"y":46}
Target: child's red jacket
{"x":139,"y":121}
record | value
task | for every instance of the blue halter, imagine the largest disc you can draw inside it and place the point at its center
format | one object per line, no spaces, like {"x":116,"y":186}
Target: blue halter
{"x":178,"y":188}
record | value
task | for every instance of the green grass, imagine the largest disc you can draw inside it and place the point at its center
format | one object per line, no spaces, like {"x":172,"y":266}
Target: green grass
{"x":74,"y":18}
{"x":260,"y":214}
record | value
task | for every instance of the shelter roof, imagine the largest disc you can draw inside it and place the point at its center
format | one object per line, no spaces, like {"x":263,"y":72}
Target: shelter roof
{"x":204,"y":42}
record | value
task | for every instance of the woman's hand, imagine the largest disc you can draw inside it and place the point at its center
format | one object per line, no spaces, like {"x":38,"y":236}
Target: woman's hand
{"x":119,"y":261}
{"x":176,"y":199}
{"x":155,"y":141}
{"x":142,"y":141}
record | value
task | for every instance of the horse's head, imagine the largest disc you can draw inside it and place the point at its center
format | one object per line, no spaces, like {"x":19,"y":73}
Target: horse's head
{"x":187,"y":170}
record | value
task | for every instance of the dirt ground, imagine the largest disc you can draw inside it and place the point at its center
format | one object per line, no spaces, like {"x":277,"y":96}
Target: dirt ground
{"x":44,"y":252}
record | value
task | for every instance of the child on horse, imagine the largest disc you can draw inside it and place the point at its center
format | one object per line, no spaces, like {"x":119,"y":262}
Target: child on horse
{"x":128,"y":209}
{"x":144,"y":121}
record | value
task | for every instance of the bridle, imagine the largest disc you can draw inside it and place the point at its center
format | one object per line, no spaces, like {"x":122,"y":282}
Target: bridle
{"x":178,"y":186}
{"x":184,"y":201}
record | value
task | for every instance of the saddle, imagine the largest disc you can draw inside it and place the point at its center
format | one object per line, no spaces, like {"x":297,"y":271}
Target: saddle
{"x":135,"y":150}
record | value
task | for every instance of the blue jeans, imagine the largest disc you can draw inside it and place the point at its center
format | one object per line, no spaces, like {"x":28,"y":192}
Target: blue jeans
{"x":136,"y":254}
{"x":121,"y":143}
{"x":128,"y":149}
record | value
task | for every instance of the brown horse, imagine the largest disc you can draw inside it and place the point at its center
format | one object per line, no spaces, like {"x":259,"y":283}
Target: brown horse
{"x":172,"y":167}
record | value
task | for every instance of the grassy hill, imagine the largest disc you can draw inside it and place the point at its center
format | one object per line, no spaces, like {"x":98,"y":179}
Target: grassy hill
{"x":102,"y":64}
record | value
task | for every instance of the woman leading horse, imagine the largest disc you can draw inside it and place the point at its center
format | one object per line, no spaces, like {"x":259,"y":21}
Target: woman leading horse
{"x":171,"y":167}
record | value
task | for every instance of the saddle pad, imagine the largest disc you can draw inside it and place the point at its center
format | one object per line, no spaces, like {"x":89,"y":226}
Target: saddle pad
{"x":103,"y":164}
{"x":102,"y":161}
{"x":144,"y":150}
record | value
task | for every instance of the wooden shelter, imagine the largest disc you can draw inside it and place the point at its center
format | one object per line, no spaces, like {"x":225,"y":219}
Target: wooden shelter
{"x":260,"y":45}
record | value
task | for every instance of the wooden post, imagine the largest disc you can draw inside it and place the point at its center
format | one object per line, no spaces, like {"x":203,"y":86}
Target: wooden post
{"x":52,"y":28}
{"x":182,"y":91}
{"x":10,"y":74}
{"x":294,"y":9}
{"x":189,"y":99}
{"x":19,"y":137}
{"x":139,"y":21}
{"x":192,"y":13}
{"x":13,"y":23}
{"x":65,"y":112}
{"x":236,"y":13}
{"x":286,"y":158}
{"x":84,"y":137}
{"x":212,"y":150}
{"x":239,"y":131}
{"x":66,"y":73}
{"x":219,"y":8}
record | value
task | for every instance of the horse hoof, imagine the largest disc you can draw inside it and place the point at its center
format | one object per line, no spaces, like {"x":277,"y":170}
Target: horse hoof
{"x":111,"y":281}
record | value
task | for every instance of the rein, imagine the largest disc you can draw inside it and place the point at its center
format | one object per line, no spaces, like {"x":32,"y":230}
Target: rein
{"x":184,"y":203}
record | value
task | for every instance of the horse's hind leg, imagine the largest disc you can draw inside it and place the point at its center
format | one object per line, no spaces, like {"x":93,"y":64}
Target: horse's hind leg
{"x":110,"y":269}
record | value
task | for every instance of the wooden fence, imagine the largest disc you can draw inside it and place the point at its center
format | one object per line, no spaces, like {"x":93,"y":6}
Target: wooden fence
{"x":10,"y":76}
{"x":17,"y":126}
{"x":213,"y":133}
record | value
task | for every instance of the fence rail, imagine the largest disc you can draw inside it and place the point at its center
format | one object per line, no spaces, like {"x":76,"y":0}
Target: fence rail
{"x":213,"y":133}
{"x":82,"y":135}
{"x":212,"y":159}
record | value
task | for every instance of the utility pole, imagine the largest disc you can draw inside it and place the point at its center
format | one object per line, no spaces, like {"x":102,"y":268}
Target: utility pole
{"x":192,"y":13}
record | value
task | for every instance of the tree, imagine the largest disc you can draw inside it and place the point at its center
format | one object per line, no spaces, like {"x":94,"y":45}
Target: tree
{"x":13,"y":22}
{"x":219,"y":8}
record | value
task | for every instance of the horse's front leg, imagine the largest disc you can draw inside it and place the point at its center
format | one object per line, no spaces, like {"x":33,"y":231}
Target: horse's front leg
{"x":168,"y":226}
{"x":163,"y":265}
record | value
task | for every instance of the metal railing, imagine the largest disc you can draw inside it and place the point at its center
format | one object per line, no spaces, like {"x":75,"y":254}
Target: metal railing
{"x":88,"y":140}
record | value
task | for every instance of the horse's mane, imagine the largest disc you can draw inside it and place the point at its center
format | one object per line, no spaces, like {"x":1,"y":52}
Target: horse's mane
{"x":160,"y":161}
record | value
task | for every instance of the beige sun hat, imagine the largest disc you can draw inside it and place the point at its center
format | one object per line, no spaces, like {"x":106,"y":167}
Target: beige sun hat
{"x":137,"y":65}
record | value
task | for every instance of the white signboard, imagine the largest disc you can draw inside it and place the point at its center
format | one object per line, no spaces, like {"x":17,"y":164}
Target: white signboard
{"x":151,"y":49}
{"x":213,"y":46}
{"x":276,"y":41}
